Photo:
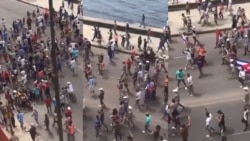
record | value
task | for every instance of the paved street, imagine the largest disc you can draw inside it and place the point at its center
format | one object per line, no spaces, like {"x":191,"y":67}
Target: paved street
{"x":197,"y":132}
{"x":216,"y":76}
{"x":10,"y":13}
{"x":215,"y":91}
{"x":109,"y":83}
{"x":112,"y":73}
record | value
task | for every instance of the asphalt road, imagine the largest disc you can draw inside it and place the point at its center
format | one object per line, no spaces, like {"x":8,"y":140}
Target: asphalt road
{"x":109,"y":82}
{"x":216,"y":86}
{"x":233,"y":113}
{"x":215,"y":91}
{"x":11,"y":10}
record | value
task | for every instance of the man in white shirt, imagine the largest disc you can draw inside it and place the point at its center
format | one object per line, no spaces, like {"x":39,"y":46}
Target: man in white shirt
{"x":187,"y":52}
{"x":190,"y":85}
{"x":209,"y":128}
{"x":72,"y":65}
{"x":137,"y":99}
{"x":242,"y":76}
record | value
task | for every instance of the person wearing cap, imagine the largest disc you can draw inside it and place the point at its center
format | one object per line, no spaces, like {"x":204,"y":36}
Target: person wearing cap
{"x":101,"y":97}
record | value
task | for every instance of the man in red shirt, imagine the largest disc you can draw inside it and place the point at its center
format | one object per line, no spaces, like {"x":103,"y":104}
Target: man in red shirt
{"x":217,"y":35}
{"x":6,"y":77}
{"x":71,"y":132}
{"x":129,"y":63}
{"x":68,"y":112}
{"x":48,"y":104}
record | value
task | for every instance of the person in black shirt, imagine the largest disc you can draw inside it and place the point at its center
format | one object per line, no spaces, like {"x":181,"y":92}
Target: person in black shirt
{"x":102,"y":116}
{"x":145,"y":44}
{"x":221,"y":119}
{"x":101,"y":97}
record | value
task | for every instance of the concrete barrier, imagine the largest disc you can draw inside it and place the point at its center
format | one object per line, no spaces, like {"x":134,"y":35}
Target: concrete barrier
{"x":155,"y":32}
{"x":178,"y":7}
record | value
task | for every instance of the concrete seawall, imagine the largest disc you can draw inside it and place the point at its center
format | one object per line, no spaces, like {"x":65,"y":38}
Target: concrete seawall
{"x":155,"y":32}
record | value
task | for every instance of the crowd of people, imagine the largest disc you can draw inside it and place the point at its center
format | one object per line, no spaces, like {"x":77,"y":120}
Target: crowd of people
{"x":228,"y":42}
{"x":26,"y":71}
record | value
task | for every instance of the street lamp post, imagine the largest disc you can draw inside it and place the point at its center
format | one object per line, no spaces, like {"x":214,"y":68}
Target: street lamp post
{"x":55,"y":71}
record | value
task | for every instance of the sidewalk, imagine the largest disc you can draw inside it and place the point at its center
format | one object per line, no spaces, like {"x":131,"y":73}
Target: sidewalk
{"x":88,"y":32}
{"x":156,"y":32}
{"x":177,"y":25}
{"x":181,"y":5}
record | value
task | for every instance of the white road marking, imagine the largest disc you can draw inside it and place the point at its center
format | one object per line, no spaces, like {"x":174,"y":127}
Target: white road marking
{"x":213,"y":102}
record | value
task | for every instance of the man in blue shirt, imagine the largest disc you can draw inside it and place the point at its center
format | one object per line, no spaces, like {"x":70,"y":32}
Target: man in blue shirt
{"x":20,"y":118}
{"x":180,"y":78}
{"x":75,"y":53}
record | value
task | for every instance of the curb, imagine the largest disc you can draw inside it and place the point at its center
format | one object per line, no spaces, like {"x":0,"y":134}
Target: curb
{"x":156,"y":34}
{"x":206,"y":31}
{"x":104,"y":47}
{"x":193,"y":5}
